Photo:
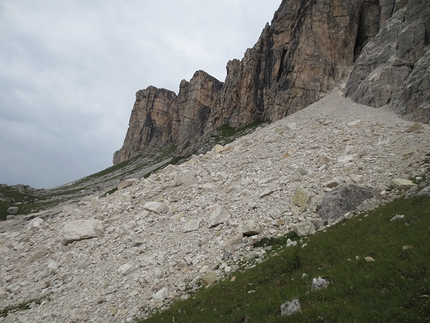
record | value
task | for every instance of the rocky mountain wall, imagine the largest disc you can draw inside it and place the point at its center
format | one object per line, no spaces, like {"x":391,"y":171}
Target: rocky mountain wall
{"x":302,"y":54}
{"x":393,"y":69}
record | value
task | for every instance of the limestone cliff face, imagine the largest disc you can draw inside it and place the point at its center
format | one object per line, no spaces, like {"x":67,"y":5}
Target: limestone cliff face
{"x":161,"y":118}
{"x":394,"y":68}
{"x":301,"y":55}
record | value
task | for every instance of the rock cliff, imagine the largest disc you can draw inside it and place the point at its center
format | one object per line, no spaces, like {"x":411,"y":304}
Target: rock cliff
{"x":302,"y":54}
{"x":394,"y":68}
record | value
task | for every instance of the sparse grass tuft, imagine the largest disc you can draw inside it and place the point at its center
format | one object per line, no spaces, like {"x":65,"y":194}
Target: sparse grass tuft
{"x":393,"y":288}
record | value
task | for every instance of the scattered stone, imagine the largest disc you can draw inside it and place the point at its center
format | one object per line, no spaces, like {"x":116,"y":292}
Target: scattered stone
{"x":80,"y":230}
{"x":127,"y":183}
{"x":231,"y":244}
{"x":424,"y":191}
{"x":209,"y":278}
{"x":267,"y":192}
{"x":402,"y":183}
{"x":291,"y":243}
{"x":156,"y":207}
{"x":369,"y":259}
{"x":343,"y":199}
{"x":301,"y":198}
{"x":354,"y":123}
{"x":219,"y":215}
{"x":414,"y":128}
{"x":125,"y":269}
{"x":12,"y":210}
{"x":290,"y":307}
{"x":397,"y":217}
{"x":250,"y":228}
{"x":191,"y":225}
{"x":143,"y":259}
{"x":36,"y":223}
{"x":319,"y":283}
{"x":304,"y":228}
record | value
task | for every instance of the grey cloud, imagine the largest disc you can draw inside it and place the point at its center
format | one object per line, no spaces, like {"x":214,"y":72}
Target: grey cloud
{"x":69,"y":71}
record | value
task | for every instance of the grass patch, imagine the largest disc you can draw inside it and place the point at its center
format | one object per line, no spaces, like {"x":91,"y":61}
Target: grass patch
{"x":226,"y":134}
{"x":393,"y":288}
{"x":23,"y":306}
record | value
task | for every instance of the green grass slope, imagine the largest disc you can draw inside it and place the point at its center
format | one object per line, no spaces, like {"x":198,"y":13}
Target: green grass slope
{"x":395,"y":287}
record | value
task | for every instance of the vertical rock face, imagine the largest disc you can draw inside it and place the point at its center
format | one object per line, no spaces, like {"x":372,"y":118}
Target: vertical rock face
{"x":150,"y":123}
{"x":393,"y":69}
{"x":300,"y":56}
{"x":161,"y":118}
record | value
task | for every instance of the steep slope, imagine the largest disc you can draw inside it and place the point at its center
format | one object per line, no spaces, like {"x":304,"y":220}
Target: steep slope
{"x":299,"y":57}
{"x":394,"y":67}
{"x":157,"y":239}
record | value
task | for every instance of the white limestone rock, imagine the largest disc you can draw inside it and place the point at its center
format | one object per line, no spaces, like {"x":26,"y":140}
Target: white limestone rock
{"x":191,"y":225}
{"x":35,"y":224}
{"x":80,"y":230}
{"x":156,"y":207}
{"x":291,"y":307}
{"x":250,"y":227}
{"x":319,"y":283}
{"x":219,"y":215}
{"x":304,"y":228}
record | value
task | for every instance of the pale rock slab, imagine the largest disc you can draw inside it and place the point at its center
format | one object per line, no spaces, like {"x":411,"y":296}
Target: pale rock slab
{"x":191,"y":225}
{"x":231,"y":244}
{"x":34,"y":224}
{"x":250,"y":227}
{"x":291,"y":307}
{"x":304,"y":228}
{"x":301,"y":198}
{"x":209,"y":278}
{"x":219,"y":215}
{"x":156,"y":207}
{"x":402,"y":183}
{"x":127,"y":183}
{"x":319,"y":283}
{"x":80,"y":230}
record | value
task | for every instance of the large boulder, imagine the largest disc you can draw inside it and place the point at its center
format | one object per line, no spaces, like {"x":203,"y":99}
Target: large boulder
{"x":80,"y":230}
{"x":343,"y":199}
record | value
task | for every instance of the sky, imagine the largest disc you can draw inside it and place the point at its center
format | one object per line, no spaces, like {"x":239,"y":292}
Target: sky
{"x":69,"y":71}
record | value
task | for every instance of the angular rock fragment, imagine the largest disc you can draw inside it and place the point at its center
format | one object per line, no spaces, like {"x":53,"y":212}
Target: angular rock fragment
{"x":402,"y":183}
{"x":304,"y":228}
{"x":250,"y":228}
{"x":219,"y":215}
{"x":291,"y":307}
{"x":191,"y":225}
{"x":12,"y":210}
{"x":301,"y":198}
{"x":80,"y":230}
{"x":127,"y":183}
{"x":319,"y":283}
{"x":343,"y":199}
{"x":156,"y":207}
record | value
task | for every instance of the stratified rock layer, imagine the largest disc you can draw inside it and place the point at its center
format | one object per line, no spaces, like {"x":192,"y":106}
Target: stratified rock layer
{"x":300,"y":56}
{"x":394,"y":68}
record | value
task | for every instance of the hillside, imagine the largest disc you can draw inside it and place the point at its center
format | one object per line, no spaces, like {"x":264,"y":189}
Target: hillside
{"x":162,"y":237}
{"x":304,"y":52}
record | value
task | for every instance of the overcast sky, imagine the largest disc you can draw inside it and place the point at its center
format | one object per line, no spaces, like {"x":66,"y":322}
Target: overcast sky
{"x":69,"y":71}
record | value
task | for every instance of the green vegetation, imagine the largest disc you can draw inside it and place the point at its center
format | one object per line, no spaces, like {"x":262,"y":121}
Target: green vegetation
{"x":395,"y":287}
{"x":22,"y":307}
{"x":226,"y":134}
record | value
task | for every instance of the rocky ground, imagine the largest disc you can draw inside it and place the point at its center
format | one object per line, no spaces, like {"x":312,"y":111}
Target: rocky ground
{"x":188,"y":225}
